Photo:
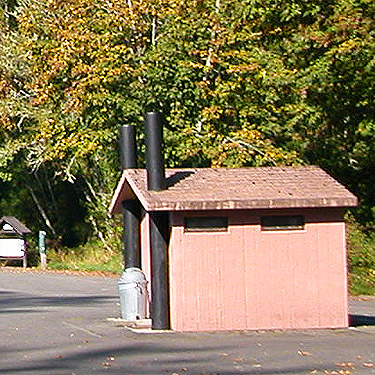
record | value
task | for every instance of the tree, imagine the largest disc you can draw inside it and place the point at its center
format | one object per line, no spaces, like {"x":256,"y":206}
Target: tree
{"x":241,"y":84}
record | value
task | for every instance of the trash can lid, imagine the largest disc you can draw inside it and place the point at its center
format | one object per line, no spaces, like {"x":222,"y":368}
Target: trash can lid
{"x":133,"y":275}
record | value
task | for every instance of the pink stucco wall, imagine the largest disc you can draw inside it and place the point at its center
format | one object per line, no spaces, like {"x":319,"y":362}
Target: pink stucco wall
{"x":146,"y":254}
{"x":246,"y":278}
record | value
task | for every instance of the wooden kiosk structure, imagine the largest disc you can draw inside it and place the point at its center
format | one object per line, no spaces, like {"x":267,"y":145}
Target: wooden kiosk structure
{"x":13,"y":244}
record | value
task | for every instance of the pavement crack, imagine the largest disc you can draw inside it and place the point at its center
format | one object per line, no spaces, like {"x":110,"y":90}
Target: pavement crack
{"x":82,"y":329}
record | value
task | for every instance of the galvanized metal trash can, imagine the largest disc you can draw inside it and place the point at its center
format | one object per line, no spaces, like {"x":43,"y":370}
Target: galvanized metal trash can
{"x":133,"y":294}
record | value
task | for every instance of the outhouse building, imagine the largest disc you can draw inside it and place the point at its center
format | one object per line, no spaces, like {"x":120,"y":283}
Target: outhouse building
{"x":246,"y":248}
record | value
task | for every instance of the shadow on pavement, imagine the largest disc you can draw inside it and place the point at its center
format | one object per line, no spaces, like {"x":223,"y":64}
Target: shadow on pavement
{"x":361,"y":320}
{"x":151,"y":359}
{"x":14,"y":302}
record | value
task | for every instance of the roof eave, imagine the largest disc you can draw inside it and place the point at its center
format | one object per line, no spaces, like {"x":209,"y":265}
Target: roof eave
{"x":252,"y":205}
{"x":126,"y":190}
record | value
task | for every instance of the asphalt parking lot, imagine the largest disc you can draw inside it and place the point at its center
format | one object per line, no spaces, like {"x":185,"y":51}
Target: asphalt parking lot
{"x":66,"y":324}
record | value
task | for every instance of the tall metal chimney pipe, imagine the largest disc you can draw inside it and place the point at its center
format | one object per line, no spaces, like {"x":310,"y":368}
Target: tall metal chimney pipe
{"x":159,"y":232}
{"x":128,"y":147}
{"x":131,"y":212}
{"x":154,"y":151}
{"x":159,"y":226}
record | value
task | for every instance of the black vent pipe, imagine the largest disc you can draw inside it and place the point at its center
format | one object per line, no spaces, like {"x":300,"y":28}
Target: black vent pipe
{"x":159,"y":232}
{"x":154,"y":151}
{"x":159,"y":226}
{"x":128,"y":147}
{"x":131,"y":212}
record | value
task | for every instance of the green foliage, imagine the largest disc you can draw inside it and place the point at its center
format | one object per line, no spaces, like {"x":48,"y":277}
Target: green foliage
{"x":361,"y":255}
{"x":340,"y":86}
{"x":90,"y":257}
{"x":241,"y":83}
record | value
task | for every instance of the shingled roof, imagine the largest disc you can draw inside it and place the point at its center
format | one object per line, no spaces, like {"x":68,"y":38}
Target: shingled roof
{"x":17,"y":226}
{"x":235,"y":188}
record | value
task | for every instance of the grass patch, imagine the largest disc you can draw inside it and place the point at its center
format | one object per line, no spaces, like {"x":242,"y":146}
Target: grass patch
{"x":90,"y":257}
{"x":361,"y":259}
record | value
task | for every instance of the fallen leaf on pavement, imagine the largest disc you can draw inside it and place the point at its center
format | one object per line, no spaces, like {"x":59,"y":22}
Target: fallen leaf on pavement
{"x":346,"y":364}
{"x":368,"y":364}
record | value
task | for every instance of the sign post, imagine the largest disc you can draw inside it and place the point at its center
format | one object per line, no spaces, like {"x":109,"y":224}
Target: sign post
{"x":42,"y":249}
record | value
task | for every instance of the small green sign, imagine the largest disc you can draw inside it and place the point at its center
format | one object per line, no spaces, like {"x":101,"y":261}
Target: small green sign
{"x":42,"y":242}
